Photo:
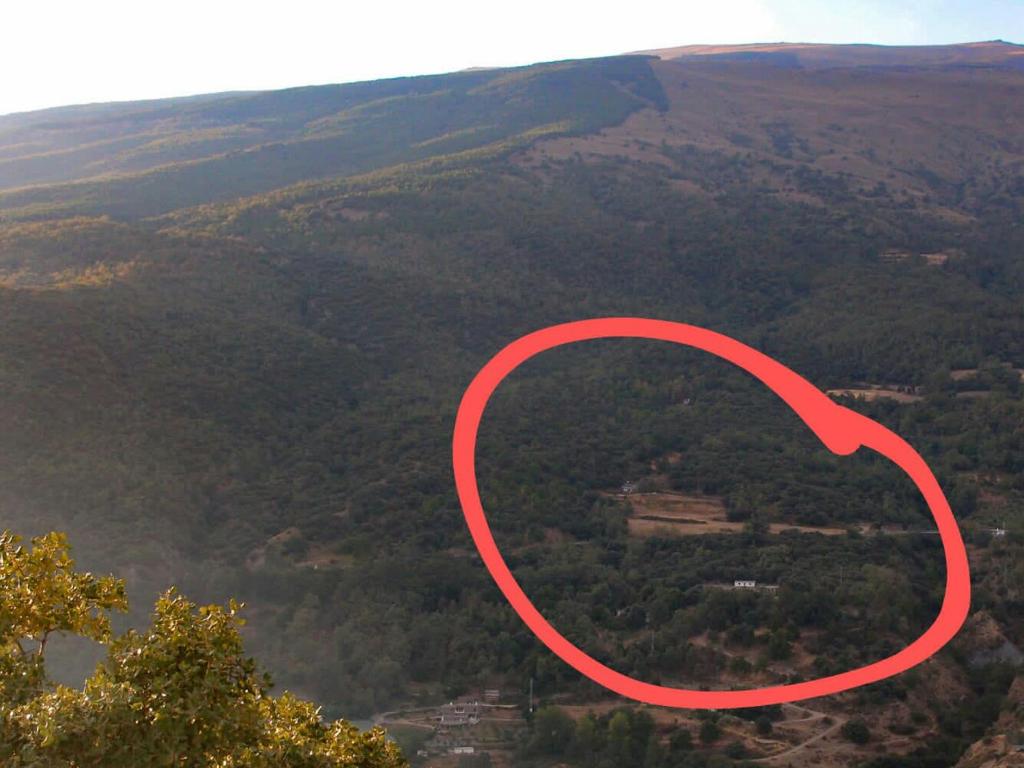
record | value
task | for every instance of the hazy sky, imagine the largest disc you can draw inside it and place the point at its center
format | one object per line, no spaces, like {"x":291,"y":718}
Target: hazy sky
{"x":55,"y":52}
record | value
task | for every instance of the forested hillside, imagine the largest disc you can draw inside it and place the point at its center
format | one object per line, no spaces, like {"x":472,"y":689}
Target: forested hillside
{"x":234,"y":331}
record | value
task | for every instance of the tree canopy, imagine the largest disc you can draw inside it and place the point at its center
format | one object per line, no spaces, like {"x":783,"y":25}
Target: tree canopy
{"x":180,"y":693}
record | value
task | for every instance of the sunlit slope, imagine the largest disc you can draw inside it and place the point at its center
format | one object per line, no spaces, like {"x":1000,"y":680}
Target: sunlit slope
{"x":136,"y":160}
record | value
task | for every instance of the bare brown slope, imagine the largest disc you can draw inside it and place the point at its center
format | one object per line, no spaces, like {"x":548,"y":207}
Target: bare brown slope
{"x":990,"y":53}
{"x":945,"y":141}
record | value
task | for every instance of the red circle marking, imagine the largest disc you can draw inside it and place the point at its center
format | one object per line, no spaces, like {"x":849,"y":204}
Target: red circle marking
{"x":841,"y":430}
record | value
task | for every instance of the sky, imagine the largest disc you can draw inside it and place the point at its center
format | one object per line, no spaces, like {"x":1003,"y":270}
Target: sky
{"x":57,"y":52}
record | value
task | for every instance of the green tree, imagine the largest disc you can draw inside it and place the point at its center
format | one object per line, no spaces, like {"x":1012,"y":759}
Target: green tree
{"x":736,"y":750}
{"x":856,"y":730}
{"x":586,"y":741}
{"x":654,"y":754}
{"x":709,"y":732}
{"x":778,"y":645}
{"x":619,"y":749}
{"x":181,"y":693}
{"x":680,"y":741}
{"x":552,"y":731}
{"x":41,"y":594}
{"x":756,"y":528}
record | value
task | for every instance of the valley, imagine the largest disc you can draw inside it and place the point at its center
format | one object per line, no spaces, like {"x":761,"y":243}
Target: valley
{"x":234,"y":331}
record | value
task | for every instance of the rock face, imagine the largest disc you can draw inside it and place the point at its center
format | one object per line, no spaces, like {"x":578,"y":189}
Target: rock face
{"x":1004,"y":747}
{"x":1007,"y":653}
{"x":984,"y":642}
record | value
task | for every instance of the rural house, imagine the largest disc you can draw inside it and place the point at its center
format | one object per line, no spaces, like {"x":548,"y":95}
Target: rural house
{"x":459,"y":713}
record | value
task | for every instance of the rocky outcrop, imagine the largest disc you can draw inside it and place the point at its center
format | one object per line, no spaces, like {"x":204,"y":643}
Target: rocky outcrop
{"x":1003,"y":747}
{"x":983,"y":642}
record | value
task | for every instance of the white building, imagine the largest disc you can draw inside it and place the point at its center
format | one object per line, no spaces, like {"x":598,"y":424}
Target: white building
{"x":459,"y":713}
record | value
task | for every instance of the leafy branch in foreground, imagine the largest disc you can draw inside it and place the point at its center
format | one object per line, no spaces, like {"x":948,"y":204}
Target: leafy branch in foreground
{"x":181,"y":693}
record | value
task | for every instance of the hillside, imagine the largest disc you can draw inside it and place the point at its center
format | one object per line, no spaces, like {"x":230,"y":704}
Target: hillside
{"x":234,"y":330}
{"x":989,"y":54}
{"x":149,"y":158}
{"x":1001,"y":748}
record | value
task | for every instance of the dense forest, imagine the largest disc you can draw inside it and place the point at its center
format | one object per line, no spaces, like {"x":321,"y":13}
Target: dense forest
{"x":233,"y":365}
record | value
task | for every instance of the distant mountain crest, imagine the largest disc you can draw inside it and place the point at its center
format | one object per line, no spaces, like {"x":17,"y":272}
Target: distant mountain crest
{"x":993,"y":53}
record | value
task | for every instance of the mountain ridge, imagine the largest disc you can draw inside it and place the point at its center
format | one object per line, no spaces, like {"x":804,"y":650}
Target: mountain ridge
{"x":996,"y":53}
